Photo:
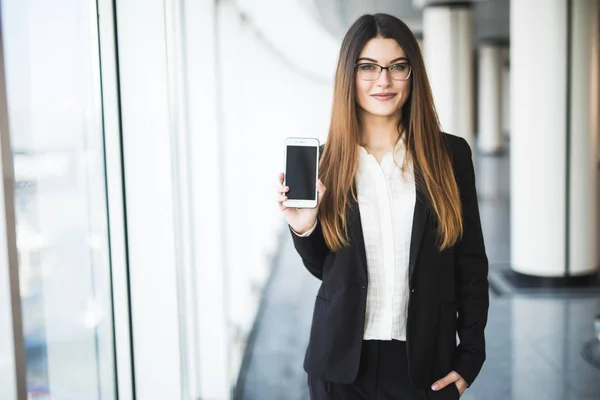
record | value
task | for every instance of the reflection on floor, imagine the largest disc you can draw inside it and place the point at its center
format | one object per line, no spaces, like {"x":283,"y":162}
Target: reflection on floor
{"x":534,"y":339}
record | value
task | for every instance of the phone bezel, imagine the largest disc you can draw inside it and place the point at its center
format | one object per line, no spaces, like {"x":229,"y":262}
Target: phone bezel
{"x":301,"y":141}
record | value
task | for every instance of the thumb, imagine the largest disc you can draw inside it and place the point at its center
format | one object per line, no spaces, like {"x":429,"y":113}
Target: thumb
{"x":321,"y":190}
{"x":445,"y":381}
{"x":320,"y":187}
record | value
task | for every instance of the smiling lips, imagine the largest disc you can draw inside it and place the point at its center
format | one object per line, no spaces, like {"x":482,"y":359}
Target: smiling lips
{"x":383,"y":96}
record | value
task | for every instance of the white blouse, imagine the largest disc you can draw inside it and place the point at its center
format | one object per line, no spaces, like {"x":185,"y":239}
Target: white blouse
{"x":386,"y":200}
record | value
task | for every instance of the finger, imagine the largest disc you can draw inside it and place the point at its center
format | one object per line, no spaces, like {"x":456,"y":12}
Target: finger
{"x":280,"y":201}
{"x":281,"y":191}
{"x":442,"y":383}
{"x":281,"y":178}
{"x":281,"y":198}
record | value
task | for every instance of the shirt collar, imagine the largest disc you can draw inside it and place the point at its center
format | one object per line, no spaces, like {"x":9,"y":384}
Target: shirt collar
{"x":399,"y":149}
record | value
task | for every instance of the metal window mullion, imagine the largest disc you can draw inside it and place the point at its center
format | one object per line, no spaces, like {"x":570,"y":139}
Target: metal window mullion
{"x":8,"y":237}
{"x":116,"y":207}
{"x":182,"y":196}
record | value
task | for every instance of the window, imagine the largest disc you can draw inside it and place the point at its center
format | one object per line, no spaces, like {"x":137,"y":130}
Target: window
{"x":55,"y":123}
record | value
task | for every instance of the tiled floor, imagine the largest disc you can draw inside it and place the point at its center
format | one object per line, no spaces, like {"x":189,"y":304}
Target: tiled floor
{"x":534,"y":340}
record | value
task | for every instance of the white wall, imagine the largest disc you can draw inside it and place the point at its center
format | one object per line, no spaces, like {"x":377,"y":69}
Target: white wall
{"x":276,"y":82}
{"x":208,"y":98}
{"x":150,"y":198}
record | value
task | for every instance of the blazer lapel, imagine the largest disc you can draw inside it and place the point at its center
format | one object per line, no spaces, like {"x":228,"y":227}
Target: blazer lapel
{"x":418,"y":228}
{"x":358,"y":240}
{"x":420,"y":215}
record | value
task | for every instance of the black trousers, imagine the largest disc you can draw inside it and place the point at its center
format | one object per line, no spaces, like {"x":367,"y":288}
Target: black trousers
{"x":382,"y":375}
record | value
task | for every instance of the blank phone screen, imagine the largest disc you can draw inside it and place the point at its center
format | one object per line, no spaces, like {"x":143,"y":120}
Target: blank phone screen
{"x":301,"y":167}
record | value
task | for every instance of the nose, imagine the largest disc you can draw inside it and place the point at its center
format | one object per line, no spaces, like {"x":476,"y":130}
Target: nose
{"x":384,"y":78}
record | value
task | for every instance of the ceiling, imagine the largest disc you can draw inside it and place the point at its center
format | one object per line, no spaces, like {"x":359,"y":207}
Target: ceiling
{"x":491,"y":17}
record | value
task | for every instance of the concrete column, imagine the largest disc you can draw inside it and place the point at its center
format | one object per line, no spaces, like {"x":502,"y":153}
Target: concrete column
{"x":506,"y":92}
{"x":448,"y":53}
{"x":490,"y":139}
{"x":419,"y":37}
{"x":554,"y":86}
{"x":583,"y":136}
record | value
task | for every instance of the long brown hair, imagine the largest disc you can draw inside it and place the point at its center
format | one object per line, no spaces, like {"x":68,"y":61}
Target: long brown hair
{"x":425,"y":142}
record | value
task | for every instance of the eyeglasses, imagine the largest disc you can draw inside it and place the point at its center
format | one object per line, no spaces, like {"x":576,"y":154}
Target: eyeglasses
{"x":371,"y":71}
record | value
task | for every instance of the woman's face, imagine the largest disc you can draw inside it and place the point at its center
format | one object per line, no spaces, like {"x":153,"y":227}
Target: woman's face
{"x":384,"y":52}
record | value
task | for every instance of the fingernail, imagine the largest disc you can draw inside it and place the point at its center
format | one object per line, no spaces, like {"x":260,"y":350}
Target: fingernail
{"x":434,"y":387}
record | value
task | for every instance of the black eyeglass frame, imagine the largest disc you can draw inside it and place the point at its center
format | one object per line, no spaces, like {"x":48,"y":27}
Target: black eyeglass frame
{"x":381,"y":68}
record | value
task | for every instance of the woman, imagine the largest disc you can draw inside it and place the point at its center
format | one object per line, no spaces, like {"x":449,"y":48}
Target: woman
{"x":396,"y":236}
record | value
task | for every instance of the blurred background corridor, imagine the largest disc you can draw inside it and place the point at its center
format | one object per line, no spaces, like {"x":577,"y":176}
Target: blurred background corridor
{"x":143,"y":254}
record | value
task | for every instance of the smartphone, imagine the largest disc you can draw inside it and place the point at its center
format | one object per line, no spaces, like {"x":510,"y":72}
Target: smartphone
{"x":301,"y":171}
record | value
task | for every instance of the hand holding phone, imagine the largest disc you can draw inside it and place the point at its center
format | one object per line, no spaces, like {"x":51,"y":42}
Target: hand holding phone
{"x":299,"y":186}
{"x":300,"y":219}
{"x":301,"y":163}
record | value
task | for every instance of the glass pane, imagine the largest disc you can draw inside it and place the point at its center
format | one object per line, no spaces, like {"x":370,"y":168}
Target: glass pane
{"x":54,"y":104}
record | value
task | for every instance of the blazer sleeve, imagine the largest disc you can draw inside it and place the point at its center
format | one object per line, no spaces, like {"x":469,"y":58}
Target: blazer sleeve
{"x":307,"y":233}
{"x":471,"y":274}
{"x":312,"y":249}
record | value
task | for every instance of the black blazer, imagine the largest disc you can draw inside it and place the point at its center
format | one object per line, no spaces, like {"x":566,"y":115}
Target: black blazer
{"x":441,"y":284}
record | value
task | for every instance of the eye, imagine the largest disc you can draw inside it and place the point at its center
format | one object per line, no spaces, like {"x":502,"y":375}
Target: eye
{"x":366,"y":67}
{"x":399,"y":67}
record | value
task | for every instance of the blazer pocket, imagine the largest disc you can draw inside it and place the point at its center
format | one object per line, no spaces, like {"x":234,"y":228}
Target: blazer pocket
{"x":319,"y":340}
{"x":320,"y":313}
{"x":455,"y":390}
{"x":323,"y":299}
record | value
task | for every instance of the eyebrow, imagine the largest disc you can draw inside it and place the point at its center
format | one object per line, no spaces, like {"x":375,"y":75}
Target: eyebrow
{"x":391,"y":62}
